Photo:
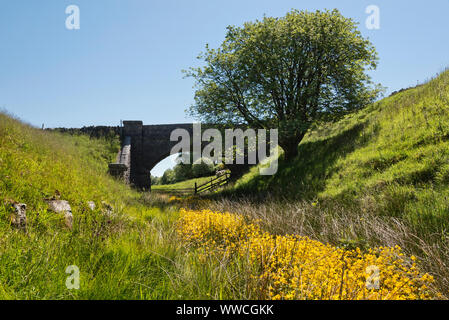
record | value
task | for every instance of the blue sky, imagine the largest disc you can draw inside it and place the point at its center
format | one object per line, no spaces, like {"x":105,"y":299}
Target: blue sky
{"x":125,"y":62}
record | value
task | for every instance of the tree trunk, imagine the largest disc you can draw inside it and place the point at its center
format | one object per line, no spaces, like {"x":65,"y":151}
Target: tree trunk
{"x":290,"y":148}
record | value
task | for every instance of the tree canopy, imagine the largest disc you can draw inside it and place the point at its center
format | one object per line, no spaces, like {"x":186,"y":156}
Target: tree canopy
{"x":286,"y":73}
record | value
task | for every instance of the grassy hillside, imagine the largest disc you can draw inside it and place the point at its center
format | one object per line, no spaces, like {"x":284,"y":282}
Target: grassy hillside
{"x":378,"y":177}
{"x":36,"y":163}
{"x":121,"y":255}
{"x":394,"y":153}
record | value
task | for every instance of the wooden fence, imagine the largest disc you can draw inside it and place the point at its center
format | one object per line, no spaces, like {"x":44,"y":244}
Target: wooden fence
{"x":213,"y":184}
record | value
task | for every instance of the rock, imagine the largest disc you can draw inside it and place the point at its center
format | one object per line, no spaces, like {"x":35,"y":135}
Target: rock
{"x":62,"y":206}
{"x":107,"y":208}
{"x":106,"y":205}
{"x":91,"y":205}
{"x":19,"y":217}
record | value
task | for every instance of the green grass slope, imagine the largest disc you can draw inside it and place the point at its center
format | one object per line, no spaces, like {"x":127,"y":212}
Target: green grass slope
{"x":120,"y":256}
{"x":35,"y":163}
{"x":395,"y":152}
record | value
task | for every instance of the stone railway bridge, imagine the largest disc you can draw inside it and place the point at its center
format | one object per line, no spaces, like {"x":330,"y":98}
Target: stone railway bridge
{"x":143,"y":146}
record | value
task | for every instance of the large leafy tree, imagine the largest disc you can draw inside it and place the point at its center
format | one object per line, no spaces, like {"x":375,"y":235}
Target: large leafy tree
{"x":286,"y":73}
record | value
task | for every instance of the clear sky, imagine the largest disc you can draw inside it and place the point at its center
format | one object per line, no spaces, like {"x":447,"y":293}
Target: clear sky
{"x":125,"y":61}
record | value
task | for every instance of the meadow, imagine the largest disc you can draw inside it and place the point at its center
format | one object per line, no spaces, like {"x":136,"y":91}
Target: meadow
{"x":369,"y":190}
{"x":182,"y":185}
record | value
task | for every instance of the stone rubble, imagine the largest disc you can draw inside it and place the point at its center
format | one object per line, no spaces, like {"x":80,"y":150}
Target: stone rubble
{"x":19,"y":218}
{"x":62,"y":207}
{"x":107,"y":208}
{"x":91,"y":205}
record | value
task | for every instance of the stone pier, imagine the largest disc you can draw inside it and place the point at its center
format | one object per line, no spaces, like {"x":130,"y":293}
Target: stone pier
{"x":143,"y":147}
{"x":121,"y":169}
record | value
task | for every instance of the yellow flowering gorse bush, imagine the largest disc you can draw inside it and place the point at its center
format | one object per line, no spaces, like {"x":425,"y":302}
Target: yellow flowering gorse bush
{"x":295,"y":267}
{"x":174,"y":199}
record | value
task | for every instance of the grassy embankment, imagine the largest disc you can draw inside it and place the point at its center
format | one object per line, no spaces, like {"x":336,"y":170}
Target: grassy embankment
{"x":378,"y":177}
{"x":130,"y":253}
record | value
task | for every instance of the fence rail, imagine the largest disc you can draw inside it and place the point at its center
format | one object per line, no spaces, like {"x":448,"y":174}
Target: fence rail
{"x":213,"y":183}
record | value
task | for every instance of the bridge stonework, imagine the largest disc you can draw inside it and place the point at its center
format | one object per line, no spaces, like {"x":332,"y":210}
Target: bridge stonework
{"x":143,"y":146}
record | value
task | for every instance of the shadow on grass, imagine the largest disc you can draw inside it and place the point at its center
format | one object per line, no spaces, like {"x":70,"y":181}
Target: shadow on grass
{"x":303,"y":178}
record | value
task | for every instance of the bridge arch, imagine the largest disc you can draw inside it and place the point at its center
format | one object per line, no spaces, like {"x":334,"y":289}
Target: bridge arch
{"x":144,"y":146}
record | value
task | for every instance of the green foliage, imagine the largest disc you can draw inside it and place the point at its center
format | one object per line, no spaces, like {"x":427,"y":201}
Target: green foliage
{"x":168,"y":177}
{"x":286,"y":73}
{"x":183,"y":172}
{"x":155,"y":180}
{"x":202,"y":169}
